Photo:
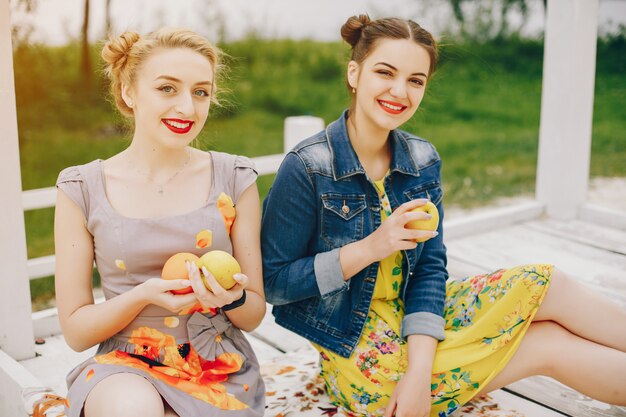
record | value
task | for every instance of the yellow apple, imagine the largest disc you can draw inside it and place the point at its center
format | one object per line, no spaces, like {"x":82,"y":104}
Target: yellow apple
{"x":430,"y":224}
{"x":221,"y":265}
{"x":175,"y":268}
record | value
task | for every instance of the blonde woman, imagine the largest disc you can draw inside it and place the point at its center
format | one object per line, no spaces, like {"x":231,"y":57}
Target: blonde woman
{"x":160,"y":353}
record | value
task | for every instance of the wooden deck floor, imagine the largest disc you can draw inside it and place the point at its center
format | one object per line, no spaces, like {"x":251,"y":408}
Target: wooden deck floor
{"x":593,"y":254}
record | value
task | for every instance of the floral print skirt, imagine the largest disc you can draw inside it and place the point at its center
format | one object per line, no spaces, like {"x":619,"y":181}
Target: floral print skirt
{"x":215,"y":373}
{"x":486,"y":318}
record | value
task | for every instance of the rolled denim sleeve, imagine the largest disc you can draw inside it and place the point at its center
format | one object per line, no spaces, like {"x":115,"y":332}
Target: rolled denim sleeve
{"x":328,"y":273}
{"x":426,"y":289}
{"x":291,"y":271}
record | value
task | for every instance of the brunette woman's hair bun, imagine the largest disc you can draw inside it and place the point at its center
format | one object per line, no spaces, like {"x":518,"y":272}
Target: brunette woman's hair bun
{"x":352,"y":29}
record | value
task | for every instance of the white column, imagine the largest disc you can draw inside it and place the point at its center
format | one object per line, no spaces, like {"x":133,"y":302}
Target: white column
{"x":567,"y":106}
{"x":298,"y":128}
{"x":16,"y":329}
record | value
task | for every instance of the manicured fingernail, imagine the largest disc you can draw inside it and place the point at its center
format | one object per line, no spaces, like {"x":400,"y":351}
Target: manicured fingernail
{"x":435,"y":233}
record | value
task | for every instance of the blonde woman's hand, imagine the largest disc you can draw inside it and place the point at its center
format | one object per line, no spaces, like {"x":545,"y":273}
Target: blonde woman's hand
{"x":391,"y":236}
{"x":217,"y":297}
{"x":157,"y":291}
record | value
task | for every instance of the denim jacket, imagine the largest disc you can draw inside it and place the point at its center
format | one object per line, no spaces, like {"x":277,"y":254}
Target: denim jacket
{"x":322,"y":200}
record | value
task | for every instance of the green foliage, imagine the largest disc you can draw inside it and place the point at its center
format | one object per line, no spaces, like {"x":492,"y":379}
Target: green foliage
{"x":481,"y":111}
{"x":489,"y":19}
{"x":286,"y":77}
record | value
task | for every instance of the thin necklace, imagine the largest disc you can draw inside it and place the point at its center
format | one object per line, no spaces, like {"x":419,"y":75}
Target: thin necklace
{"x":159,"y":187}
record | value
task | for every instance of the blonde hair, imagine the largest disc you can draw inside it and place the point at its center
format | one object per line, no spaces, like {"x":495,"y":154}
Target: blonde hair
{"x":124,"y":55}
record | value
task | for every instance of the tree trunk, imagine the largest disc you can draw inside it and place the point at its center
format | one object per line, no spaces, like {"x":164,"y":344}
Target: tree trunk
{"x":85,"y":65}
{"x":107,"y":16}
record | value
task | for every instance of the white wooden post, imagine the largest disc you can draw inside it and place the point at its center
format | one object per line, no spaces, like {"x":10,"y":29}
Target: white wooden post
{"x":569,"y":64}
{"x":298,"y":128}
{"x":16,"y":330}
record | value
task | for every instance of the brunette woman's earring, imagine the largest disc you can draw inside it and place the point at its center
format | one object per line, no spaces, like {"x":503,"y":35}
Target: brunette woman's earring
{"x":353,"y":90}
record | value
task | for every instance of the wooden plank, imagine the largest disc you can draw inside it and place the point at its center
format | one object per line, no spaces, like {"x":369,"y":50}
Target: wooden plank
{"x":602,"y":270}
{"x":552,"y":393}
{"x":55,"y":359}
{"x":594,"y":235}
{"x":39,"y":198}
{"x":14,"y":379}
{"x":277,"y":336}
{"x":589,"y":254}
{"x":528,"y":408}
{"x":566,"y":113}
{"x":298,"y":128}
{"x":605,"y":216}
{"x":41,"y":267}
{"x":16,"y":334}
{"x":500,"y":403}
{"x":459,"y":267}
{"x":262,"y":350}
{"x":268,"y":164}
{"x":490,"y":218}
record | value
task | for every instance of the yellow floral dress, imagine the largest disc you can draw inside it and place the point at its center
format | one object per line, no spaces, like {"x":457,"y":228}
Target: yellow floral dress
{"x":486,"y":317}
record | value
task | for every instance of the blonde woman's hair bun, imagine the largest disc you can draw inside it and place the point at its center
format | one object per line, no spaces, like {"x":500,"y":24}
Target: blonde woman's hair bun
{"x":352,"y":29}
{"x":116,"y":50}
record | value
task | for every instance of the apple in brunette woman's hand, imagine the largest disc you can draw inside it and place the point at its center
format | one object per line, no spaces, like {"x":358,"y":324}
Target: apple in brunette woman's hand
{"x":428,"y":224}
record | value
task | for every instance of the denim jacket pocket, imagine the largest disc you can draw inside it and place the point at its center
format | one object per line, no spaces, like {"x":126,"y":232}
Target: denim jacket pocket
{"x":342,"y":218}
{"x":431,"y":190}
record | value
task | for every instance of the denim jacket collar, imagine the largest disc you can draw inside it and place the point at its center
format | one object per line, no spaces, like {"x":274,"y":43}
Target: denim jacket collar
{"x":346,"y":162}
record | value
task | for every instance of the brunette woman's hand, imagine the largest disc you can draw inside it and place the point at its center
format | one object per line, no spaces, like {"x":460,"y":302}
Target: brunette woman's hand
{"x":157,"y":291}
{"x":217,"y":297}
{"x":411,"y":397}
{"x":392,"y":236}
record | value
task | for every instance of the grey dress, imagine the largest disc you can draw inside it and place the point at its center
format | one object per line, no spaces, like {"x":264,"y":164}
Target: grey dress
{"x":198,"y":361}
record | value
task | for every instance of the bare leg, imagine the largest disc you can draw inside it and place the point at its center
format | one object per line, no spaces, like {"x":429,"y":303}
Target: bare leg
{"x":583,"y":312}
{"x":549,"y":349}
{"x":124,"y":395}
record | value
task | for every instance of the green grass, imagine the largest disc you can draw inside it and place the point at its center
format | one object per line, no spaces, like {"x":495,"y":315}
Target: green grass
{"x":481,"y":111}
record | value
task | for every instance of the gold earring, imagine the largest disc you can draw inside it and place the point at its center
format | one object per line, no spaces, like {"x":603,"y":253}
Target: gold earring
{"x":130,"y":104}
{"x":353,"y":90}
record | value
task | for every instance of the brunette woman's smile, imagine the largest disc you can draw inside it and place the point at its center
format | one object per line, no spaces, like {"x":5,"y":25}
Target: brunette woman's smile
{"x":392,"y":107}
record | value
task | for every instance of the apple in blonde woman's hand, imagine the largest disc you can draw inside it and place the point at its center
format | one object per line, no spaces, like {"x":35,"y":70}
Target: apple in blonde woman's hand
{"x":175,"y":268}
{"x":429,"y":224}
{"x":222,"y":265}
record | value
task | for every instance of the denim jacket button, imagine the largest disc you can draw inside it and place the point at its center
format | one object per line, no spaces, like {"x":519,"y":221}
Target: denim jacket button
{"x":345,"y":209}
{"x":375,"y":208}
{"x":359,"y":313}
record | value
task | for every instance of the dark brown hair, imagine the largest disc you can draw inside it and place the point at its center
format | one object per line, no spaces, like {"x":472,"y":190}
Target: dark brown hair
{"x":362,"y":34}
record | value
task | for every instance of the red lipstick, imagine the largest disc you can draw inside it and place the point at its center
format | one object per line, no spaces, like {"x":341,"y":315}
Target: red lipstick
{"x":385,"y":105}
{"x":177,"y":125}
